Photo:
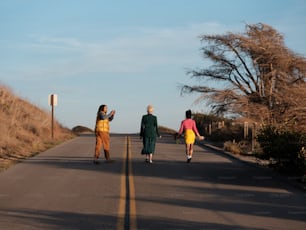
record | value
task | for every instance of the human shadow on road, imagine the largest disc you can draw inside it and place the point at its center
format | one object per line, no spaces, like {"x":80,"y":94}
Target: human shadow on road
{"x":235,"y":187}
{"x":238,"y":188}
{"x":43,"y":219}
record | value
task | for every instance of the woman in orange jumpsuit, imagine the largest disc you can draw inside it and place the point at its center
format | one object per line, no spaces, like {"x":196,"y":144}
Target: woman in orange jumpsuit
{"x":102,"y":132}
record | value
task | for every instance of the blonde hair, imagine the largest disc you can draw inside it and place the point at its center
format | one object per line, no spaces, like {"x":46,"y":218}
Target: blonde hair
{"x":150,"y":109}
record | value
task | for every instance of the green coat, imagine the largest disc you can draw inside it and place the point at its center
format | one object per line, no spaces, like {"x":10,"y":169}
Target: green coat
{"x":148,"y":132}
{"x":149,"y":127}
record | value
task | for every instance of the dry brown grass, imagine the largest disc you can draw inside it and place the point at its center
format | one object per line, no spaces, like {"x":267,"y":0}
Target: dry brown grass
{"x":232,"y":146}
{"x":25,"y":129}
{"x":165,"y":130}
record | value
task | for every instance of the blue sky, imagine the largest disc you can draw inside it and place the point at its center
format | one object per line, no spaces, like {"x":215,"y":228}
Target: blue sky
{"x":126,"y":54}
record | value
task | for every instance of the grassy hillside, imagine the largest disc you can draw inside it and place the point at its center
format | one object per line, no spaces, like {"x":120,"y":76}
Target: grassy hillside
{"x":25,"y":129}
{"x":165,"y":130}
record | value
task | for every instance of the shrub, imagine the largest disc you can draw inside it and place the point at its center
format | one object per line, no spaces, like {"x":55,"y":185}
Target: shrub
{"x":284,"y":146}
{"x":227,"y":134}
{"x":232,"y":146}
{"x":245,"y":146}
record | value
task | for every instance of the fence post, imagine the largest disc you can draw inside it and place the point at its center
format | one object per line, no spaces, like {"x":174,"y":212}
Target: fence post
{"x":246,"y":130}
{"x":253,"y":136}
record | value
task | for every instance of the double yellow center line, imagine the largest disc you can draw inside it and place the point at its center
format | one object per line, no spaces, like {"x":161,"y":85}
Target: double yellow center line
{"x":127,"y":204}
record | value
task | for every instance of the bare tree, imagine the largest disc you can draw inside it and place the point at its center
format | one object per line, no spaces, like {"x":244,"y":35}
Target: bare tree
{"x":259,"y":77}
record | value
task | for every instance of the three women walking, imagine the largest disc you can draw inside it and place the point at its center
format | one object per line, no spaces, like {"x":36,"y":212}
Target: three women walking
{"x":148,"y":132}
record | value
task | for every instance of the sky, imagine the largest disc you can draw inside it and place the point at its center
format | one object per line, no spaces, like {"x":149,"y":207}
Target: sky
{"x":126,"y":54}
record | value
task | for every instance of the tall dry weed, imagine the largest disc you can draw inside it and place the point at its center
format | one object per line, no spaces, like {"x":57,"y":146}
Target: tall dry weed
{"x":25,"y":129}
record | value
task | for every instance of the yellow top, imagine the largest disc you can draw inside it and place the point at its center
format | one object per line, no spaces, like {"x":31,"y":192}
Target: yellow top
{"x":102,"y":125}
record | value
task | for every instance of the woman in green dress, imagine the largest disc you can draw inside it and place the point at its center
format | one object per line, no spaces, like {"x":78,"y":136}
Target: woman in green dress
{"x":148,"y":133}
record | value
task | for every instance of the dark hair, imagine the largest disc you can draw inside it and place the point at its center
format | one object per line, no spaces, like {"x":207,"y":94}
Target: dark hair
{"x":101,"y":108}
{"x":188,"y":113}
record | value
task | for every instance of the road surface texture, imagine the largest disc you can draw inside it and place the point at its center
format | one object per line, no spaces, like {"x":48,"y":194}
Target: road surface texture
{"x":62,"y":189}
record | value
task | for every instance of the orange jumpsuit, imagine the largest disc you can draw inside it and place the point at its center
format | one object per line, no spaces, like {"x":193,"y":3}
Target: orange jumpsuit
{"x":102,"y":135}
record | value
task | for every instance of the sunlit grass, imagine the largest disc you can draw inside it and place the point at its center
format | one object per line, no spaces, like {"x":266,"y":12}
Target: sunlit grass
{"x":25,"y":129}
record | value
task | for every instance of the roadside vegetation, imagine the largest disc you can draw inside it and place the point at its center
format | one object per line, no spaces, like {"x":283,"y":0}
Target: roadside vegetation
{"x":25,"y":129}
{"x":284,"y":149}
{"x":255,"y":87}
{"x":256,"y":80}
{"x":79,"y":129}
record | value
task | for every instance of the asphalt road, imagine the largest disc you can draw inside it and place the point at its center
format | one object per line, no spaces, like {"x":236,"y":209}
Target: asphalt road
{"x":62,"y":189}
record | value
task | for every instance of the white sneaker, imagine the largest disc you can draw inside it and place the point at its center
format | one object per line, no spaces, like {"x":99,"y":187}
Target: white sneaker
{"x":188,"y":159}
